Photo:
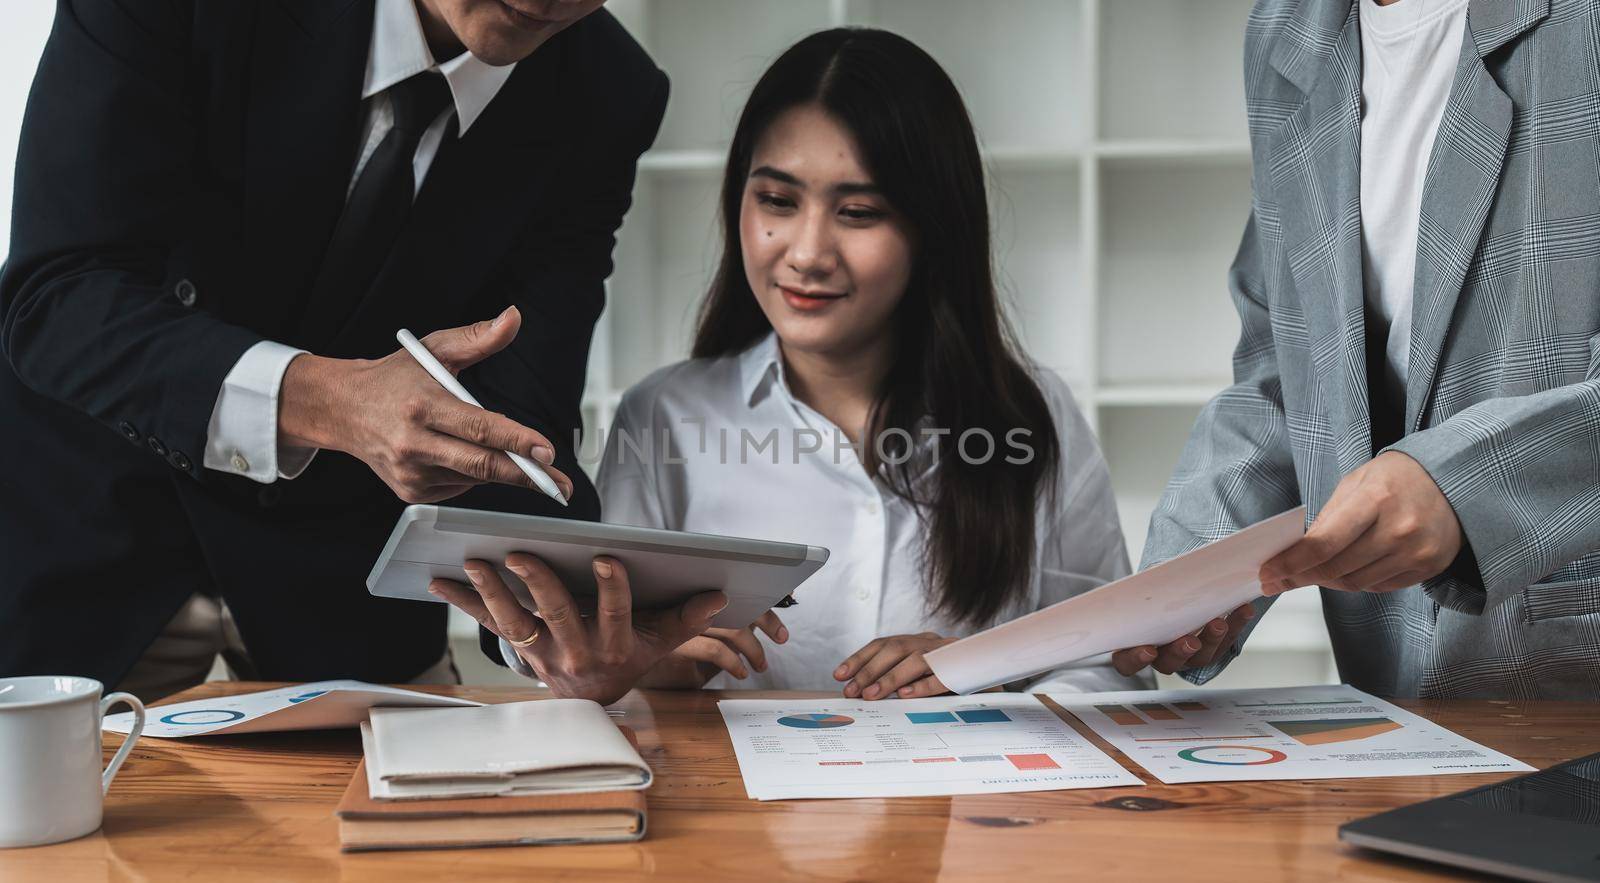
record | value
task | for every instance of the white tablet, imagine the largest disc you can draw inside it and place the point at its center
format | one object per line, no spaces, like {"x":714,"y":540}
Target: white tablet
{"x":665,"y":567}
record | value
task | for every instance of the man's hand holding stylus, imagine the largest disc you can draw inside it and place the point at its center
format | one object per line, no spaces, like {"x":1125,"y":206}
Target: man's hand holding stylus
{"x":389,"y":414}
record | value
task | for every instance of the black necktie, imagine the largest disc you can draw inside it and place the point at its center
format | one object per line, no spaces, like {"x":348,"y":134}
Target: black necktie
{"x":376,"y":211}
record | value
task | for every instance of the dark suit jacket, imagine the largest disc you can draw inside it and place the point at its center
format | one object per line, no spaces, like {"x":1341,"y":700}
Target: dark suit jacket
{"x":181,"y":169}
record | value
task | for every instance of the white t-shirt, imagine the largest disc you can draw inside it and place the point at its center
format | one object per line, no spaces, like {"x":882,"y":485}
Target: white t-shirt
{"x":1409,"y":52}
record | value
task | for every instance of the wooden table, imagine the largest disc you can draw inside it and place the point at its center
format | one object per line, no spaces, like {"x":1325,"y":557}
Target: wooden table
{"x":261,"y":807}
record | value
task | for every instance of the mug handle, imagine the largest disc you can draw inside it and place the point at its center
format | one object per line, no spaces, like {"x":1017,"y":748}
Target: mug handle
{"x":128,"y":743}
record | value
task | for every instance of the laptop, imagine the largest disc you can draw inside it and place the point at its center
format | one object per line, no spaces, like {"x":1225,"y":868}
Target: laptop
{"x":1542,"y":826}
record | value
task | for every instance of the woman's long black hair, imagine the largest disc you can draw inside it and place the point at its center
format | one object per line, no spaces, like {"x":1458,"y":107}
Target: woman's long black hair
{"x":955,"y":362}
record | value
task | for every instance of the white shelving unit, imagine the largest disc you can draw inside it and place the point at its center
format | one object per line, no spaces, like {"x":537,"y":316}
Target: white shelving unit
{"x":1115,"y":137}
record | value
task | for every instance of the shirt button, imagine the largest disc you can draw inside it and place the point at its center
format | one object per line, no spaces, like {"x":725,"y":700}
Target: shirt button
{"x":129,"y":431}
{"x":872,"y":507}
{"x":863,"y":595}
{"x":240,"y":463}
{"x":185,"y":292}
{"x":179,"y":461}
{"x":157,"y":446}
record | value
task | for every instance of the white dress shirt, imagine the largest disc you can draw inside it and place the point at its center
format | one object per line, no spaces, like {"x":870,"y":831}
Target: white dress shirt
{"x":242,"y":437}
{"x":686,"y":453}
{"x":1409,"y":52}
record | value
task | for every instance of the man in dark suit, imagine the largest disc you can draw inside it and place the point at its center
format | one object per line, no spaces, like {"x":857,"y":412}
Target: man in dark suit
{"x":223,"y":212}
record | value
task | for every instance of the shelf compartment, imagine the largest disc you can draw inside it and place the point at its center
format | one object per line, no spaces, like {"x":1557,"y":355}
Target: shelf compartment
{"x":1038,"y":268}
{"x":1142,"y":445}
{"x":666,"y":253}
{"x":714,"y":51}
{"x":1172,"y":69}
{"x":1018,"y":63}
{"x":1169,"y":236}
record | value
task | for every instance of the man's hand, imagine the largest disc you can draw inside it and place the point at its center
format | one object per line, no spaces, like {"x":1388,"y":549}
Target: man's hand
{"x":1387,"y":526}
{"x":599,"y":657}
{"x":416,"y":436}
{"x":891,"y":665}
{"x":1190,"y":651}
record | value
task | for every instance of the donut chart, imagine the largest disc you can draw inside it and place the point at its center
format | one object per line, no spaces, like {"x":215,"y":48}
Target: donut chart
{"x":1232,"y":755}
{"x":199,"y":717}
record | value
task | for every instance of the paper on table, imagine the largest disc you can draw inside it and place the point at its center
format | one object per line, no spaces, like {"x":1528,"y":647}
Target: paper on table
{"x":320,"y":705}
{"x":810,"y":748}
{"x":1154,"y":606}
{"x":1327,"y":732}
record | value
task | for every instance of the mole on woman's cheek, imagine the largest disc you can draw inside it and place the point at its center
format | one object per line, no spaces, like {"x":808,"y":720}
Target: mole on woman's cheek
{"x":769,"y":234}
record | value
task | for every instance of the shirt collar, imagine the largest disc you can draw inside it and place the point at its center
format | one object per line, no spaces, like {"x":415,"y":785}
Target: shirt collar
{"x":759,"y":367}
{"x":399,"y":50}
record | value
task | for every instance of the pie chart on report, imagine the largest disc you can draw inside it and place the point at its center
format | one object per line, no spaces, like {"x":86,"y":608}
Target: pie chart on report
{"x":816,"y":721}
{"x":1232,"y":755}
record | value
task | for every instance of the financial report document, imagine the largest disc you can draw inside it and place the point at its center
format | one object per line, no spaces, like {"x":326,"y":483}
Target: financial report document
{"x":319,"y":705}
{"x":1331,"y":732}
{"x":1154,"y":606}
{"x":799,"y":748}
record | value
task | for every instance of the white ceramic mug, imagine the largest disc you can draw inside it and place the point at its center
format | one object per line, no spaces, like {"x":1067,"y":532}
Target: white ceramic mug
{"x":51,"y":785}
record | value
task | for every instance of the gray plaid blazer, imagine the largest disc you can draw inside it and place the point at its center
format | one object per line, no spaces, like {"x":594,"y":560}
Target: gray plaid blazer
{"x":1503,"y":399}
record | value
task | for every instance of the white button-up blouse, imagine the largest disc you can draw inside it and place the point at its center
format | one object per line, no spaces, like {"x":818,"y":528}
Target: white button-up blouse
{"x":721,"y":446}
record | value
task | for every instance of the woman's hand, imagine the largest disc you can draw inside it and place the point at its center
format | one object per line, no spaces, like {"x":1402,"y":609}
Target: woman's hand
{"x":734,"y":651}
{"x":599,"y":657}
{"x":892,"y":665}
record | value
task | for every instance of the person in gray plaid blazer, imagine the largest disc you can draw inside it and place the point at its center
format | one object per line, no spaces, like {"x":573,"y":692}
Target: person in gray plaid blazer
{"x":1454,"y":522}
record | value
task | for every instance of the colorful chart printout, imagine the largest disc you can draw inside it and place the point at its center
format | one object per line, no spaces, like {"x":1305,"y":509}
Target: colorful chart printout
{"x":1330,"y":732}
{"x":816,"y":721}
{"x":1321,"y":732}
{"x":1122,"y":714}
{"x":909,"y":747}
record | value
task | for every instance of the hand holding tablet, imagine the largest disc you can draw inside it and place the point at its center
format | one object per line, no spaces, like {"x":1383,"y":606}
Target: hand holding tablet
{"x":610,"y":600}
{"x":597,"y":657}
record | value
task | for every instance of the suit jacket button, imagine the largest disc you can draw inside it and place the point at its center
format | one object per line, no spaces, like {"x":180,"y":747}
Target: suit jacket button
{"x":157,"y":446}
{"x":180,"y":461}
{"x":269,"y":495}
{"x":129,"y":432}
{"x":186,"y":293}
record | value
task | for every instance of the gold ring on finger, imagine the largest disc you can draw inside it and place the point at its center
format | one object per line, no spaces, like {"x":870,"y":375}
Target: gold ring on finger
{"x":529,"y":639}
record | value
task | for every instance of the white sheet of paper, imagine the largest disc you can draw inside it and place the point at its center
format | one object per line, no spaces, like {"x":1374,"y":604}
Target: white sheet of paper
{"x":320,"y":705}
{"x":798,"y":748}
{"x":1154,"y":606}
{"x":1332,"y":732}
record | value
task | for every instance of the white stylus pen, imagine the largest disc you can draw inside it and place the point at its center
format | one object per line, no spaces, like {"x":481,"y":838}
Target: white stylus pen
{"x":454,"y":387}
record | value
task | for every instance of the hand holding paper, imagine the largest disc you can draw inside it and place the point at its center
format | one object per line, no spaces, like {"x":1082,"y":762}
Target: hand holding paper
{"x":1190,"y":651}
{"x":1154,"y":607}
{"x":1386,"y":527}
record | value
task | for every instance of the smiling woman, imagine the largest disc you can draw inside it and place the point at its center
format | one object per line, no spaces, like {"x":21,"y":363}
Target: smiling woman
{"x":826,"y":255}
{"x":854,"y":385}
{"x":856,"y":162}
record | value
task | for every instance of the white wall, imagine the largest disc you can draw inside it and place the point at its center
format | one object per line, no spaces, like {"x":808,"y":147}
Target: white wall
{"x":24,"y":24}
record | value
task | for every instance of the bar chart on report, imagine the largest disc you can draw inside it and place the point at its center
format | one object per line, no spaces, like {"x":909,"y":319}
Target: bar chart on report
{"x":1299,"y":733}
{"x":946,"y":745}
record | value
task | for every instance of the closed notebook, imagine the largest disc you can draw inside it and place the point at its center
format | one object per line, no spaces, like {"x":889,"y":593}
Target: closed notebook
{"x":549,"y":746}
{"x":600,"y":817}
